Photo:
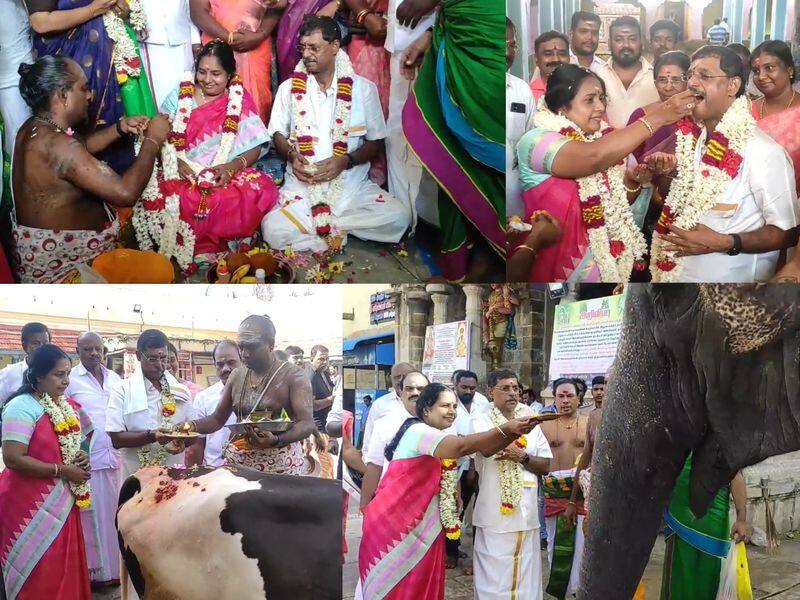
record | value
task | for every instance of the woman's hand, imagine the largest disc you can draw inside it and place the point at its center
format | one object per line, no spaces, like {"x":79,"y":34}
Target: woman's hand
{"x":223,"y":175}
{"x":411,"y":59}
{"x":82,"y":460}
{"x":175,"y":446}
{"x":375,"y":25}
{"x":122,"y":9}
{"x":101,"y":7}
{"x":517,"y":427}
{"x":546,"y":230}
{"x":678,"y":106}
{"x":329,"y":10}
{"x":638,"y":175}
{"x":739,"y":532}
{"x":135,"y":125}
{"x":74,"y":474}
{"x":245,"y":40}
{"x":185,"y":171}
{"x":259,"y":438}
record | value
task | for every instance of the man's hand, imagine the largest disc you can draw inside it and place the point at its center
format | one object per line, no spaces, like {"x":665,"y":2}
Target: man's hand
{"x":412,"y":56}
{"x":410,"y":12}
{"x":258,"y":438}
{"x":699,"y":240}
{"x":375,"y":25}
{"x":571,"y":514}
{"x":162,"y":437}
{"x":136,"y":125}
{"x":245,"y":40}
{"x":512,"y":452}
{"x":185,"y":171}
{"x":661,"y":163}
{"x":158,"y":129}
{"x":329,"y":10}
{"x":82,"y":460}
{"x":640,"y":174}
{"x":175,"y":446}
{"x":300,"y":168}
{"x":329,"y":169}
{"x":101,"y":7}
{"x":122,"y":9}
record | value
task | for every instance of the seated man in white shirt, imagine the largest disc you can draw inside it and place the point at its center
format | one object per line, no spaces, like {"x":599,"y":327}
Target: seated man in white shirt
{"x":384,"y":431}
{"x":209,"y":448}
{"x":738,"y":208}
{"x":519,"y":119}
{"x":328,"y":123}
{"x":508,"y":562}
{"x":32,"y":336}
{"x":142,"y":406}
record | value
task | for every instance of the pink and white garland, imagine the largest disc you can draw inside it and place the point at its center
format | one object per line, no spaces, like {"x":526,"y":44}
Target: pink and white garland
{"x":125,"y":57}
{"x":323,"y":195}
{"x":617,"y":243}
{"x":696,"y":189}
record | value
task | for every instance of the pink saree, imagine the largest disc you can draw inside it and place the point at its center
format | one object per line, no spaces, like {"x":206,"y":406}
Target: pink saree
{"x":784,"y":128}
{"x":559,"y":197}
{"x":402,"y":556}
{"x":41,"y":540}
{"x":254,"y":66}
{"x":234,"y":211}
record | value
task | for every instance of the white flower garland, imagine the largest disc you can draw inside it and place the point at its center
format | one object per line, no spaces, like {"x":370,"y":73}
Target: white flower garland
{"x":158,"y":458}
{"x":448,"y":506}
{"x":126,"y":59}
{"x":509,"y":472}
{"x":696,"y":189}
{"x":615,"y":239}
{"x":323,"y":195}
{"x":67,"y":426}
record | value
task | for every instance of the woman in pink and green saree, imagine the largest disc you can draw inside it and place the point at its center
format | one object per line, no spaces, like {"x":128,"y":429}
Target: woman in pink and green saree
{"x":47,"y":470}
{"x":402,"y":553}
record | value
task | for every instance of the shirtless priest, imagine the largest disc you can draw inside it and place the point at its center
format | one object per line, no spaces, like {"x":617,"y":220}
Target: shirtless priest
{"x":263,"y":384}
{"x":328,"y":123}
{"x":62,"y":193}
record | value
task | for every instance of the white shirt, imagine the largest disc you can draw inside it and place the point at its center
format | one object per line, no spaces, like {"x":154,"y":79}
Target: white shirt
{"x":487,"y":506}
{"x":205,"y":403}
{"x":520,"y":108}
{"x":11,"y":378}
{"x":337,"y":409}
{"x":398,"y":38}
{"x":621,"y":101}
{"x":118,"y":418}
{"x":366,"y":123}
{"x":169,"y":23}
{"x":379,"y":408}
{"x":763,"y":193}
{"x":596,"y":64}
{"x":84,"y":389}
{"x":15,"y":41}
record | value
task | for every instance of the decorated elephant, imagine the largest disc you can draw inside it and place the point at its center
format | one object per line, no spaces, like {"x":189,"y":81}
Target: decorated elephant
{"x":710,"y":370}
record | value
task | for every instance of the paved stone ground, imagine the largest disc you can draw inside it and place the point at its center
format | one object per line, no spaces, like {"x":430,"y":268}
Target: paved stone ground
{"x":773,"y":577}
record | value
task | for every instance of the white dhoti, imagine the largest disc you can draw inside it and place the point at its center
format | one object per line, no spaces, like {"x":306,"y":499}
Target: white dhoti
{"x":166,"y":66}
{"x":408,"y":181}
{"x":15,"y":112}
{"x":366,"y":212}
{"x":574,"y":576}
{"x":507,"y":565}
{"x":99,"y":531}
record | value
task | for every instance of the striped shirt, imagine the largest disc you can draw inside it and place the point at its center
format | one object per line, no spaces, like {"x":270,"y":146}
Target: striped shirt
{"x":717,"y":35}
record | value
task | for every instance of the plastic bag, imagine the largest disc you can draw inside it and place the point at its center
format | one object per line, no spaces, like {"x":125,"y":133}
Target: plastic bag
{"x":734,"y":581}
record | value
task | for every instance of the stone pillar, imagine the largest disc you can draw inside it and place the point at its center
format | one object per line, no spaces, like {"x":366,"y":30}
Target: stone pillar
{"x":474,"y":317}
{"x":439,"y":293}
{"x":417,"y":304}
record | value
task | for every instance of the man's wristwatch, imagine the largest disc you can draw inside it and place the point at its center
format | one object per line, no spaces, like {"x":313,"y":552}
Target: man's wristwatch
{"x":737,"y":245}
{"x":526,"y":459}
{"x":350,"y":162}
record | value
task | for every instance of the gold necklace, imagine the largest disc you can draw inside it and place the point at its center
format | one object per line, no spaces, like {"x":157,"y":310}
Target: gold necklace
{"x":764,"y":103}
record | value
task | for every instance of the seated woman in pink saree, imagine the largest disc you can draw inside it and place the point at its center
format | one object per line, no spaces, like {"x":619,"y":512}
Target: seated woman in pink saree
{"x":778,"y":112}
{"x":42,"y":551}
{"x":402,"y":552}
{"x":230,"y":204}
{"x":552,"y":162}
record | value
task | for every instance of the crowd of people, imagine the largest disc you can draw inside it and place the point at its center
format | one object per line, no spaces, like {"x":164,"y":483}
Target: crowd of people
{"x":73,"y":434}
{"x":679,"y":166}
{"x":172,"y":127}
{"x":430,"y":449}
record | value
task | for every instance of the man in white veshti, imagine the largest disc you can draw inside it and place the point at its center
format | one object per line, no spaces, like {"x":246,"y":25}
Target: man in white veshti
{"x":740,"y":237}
{"x":304,"y":128}
{"x":507,"y":559}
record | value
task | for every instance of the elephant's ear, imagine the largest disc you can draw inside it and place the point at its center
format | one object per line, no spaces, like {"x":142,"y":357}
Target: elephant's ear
{"x":748,"y":365}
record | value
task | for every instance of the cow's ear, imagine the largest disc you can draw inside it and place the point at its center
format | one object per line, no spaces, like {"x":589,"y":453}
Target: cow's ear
{"x":752,"y":402}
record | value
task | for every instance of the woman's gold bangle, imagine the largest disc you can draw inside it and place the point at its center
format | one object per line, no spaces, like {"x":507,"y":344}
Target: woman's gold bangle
{"x":501,"y":431}
{"x":230,"y":38}
{"x":148,"y":139}
{"x":635,"y":190}
{"x":646,"y":123}
{"x":526,"y":247}
{"x":244,"y":162}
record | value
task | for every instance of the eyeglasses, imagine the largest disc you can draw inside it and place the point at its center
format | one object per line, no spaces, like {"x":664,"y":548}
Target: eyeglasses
{"x":704,"y":76}
{"x":673,"y":80}
{"x":154,"y":360}
{"x":314,"y":49}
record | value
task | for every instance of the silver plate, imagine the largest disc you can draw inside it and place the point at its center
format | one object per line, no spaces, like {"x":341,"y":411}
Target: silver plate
{"x":267,"y":425}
